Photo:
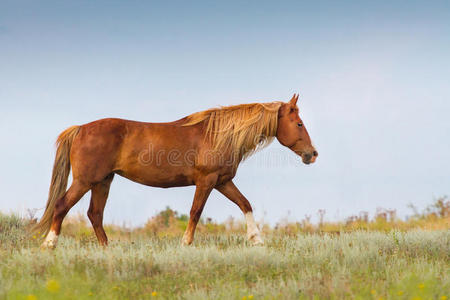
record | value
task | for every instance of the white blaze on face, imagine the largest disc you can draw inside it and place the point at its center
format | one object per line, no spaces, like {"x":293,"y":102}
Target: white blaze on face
{"x":252,"y":230}
{"x":50,"y":240}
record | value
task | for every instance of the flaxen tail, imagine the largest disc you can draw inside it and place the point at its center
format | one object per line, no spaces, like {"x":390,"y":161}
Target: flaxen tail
{"x":60,"y":174}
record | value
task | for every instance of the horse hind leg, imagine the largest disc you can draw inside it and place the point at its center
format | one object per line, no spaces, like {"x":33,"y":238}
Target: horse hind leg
{"x":62,"y":207}
{"x":99,"y":195}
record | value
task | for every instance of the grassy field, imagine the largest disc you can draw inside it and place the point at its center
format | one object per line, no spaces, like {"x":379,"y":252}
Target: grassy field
{"x":389,"y":264}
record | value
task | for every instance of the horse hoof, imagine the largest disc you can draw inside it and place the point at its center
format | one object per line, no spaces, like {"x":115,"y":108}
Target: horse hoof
{"x":48,"y":246}
{"x":185,"y":242}
{"x":256,"y":240}
{"x":258,"y":243}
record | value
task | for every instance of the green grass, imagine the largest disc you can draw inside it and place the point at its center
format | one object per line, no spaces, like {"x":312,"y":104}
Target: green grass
{"x":359,"y":265}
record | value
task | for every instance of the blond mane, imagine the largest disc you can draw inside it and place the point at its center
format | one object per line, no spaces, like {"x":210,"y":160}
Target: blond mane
{"x":243,"y":128}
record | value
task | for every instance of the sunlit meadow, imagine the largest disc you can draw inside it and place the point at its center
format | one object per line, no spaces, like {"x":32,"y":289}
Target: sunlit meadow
{"x":378,"y":259}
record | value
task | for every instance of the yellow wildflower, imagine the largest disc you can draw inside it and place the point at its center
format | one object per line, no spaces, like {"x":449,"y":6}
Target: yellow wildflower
{"x":400,"y":293}
{"x":31,"y":297}
{"x":421,"y":286}
{"x":244,"y":298}
{"x":250,"y":297}
{"x":52,"y":286}
{"x":443,"y":297}
{"x":154,"y":294}
{"x":373,"y":292}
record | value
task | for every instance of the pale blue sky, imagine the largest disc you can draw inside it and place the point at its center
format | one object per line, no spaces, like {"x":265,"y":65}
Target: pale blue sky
{"x":373,"y":77}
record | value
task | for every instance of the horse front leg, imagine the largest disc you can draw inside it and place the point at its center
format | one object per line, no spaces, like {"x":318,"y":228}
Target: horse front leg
{"x":202,"y":191}
{"x":230,"y":191}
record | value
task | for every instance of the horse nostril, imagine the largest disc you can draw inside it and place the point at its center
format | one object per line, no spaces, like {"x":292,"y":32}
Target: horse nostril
{"x":315,"y":153}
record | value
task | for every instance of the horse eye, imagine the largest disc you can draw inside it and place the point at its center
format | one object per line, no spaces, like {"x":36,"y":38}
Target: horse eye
{"x":299,"y":124}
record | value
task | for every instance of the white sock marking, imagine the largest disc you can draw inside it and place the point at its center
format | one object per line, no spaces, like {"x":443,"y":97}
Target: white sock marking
{"x":50,"y":240}
{"x":252,"y":230}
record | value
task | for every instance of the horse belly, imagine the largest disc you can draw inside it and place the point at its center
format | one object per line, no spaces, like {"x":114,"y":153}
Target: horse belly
{"x":157,"y":176}
{"x":157,"y":155}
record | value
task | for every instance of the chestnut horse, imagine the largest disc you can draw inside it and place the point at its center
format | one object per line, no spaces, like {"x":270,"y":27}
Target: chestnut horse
{"x":203,"y":149}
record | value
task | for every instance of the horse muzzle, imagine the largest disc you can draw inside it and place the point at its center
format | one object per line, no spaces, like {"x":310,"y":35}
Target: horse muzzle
{"x":309,"y":157}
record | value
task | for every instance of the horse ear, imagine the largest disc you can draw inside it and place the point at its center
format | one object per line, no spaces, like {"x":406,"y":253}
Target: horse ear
{"x":293,"y":100}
